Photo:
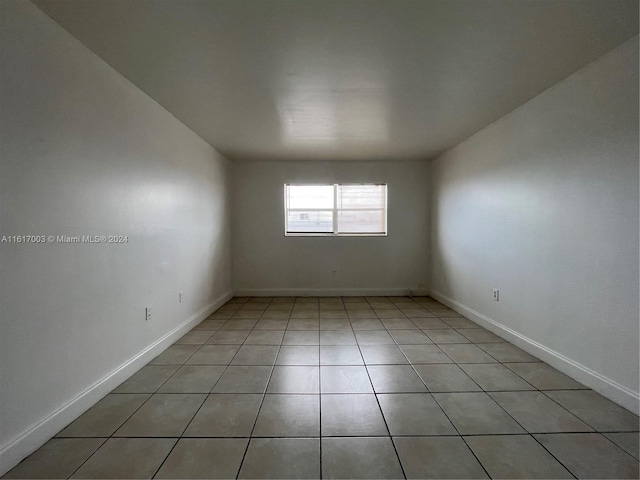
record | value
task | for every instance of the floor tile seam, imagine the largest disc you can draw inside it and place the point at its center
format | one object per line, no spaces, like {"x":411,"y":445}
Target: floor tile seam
{"x":403,"y":435}
{"x":518,"y":434}
{"x":264,"y":394}
{"x":532,"y":389}
{"x":319,"y":408}
{"x":535,"y":389}
{"x":167,"y":456}
{"x":602,"y":434}
{"x":184,"y":365}
{"x":245,"y":344}
{"x":181,"y":364}
{"x":509,"y":414}
{"x":105,"y":440}
{"x":460,"y":435}
{"x":460,"y":368}
{"x":197,"y":410}
{"x":113,"y":435}
{"x":150,"y":395}
{"x":544,"y":392}
{"x":320,"y":370}
{"x":413,"y":366}
{"x":191,"y":331}
{"x":506,"y":366}
{"x":546,"y":389}
{"x":384,"y":419}
{"x":556,"y":458}
{"x":501,"y":362}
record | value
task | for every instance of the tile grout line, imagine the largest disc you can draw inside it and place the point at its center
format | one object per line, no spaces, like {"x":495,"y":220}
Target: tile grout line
{"x":264,"y":394}
{"x":531,"y":435}
{"x":437,"y":346}
{"x":199,"y":408}
{"x":206,"y":395}
{"x":526,"y":432}
{"x":384,"y":419}
{"x":320,"y":398}
{"x":202,"y":404}
{"x":462,"y":437}
{"x":351,"y":329}
{"x":595,"y":430}
{"x":129,"y":417}
{"x":550,"y":453}
{"x":514,"y":419}
{"x":485,"y":392}
{"x":120,"y":425}
{"x":442,"y":409}
{"x":378,"y":436}
{"x":87,"y":459}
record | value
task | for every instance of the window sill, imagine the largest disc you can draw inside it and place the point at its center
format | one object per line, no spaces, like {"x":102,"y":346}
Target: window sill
{"x":288,"y":234}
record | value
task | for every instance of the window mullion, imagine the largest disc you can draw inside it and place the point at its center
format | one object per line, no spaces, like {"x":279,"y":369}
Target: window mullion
{"x":335,"y":209}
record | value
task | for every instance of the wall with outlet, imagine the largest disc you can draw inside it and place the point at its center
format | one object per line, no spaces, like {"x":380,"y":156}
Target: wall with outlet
{"x":84,"y":152}
{"x":543,"y":205}
{"x":265,"y":262}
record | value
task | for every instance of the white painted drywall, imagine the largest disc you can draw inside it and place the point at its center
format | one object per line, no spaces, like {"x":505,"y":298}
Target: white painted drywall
{"x":543,"y":205}
{"x":265,"y":262}
{"x":84,"y":152}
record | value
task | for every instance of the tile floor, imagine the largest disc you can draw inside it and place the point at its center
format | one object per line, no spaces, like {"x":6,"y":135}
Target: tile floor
{"x":375,"y":387}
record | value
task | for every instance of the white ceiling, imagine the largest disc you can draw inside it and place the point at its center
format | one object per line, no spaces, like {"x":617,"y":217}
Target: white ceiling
{"x":344,"y":79}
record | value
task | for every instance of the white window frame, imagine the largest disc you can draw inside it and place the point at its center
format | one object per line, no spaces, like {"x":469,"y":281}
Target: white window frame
{"x":334,"y":211}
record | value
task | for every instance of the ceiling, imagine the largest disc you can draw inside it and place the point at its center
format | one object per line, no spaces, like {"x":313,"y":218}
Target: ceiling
{"x":344,"y":79}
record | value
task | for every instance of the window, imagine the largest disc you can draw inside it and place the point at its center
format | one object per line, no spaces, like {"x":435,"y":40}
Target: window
{"x":335,"y":209}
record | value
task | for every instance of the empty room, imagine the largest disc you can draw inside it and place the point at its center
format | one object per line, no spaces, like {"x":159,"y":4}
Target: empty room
{"x":319,"y":239}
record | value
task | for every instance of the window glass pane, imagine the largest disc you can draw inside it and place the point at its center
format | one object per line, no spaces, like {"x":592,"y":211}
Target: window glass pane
{"x":359,"y":209}
{"x":361,"y":196}
{"x":361,"y":221}
{"x":310,"y":221}
{"x":310,"y":196}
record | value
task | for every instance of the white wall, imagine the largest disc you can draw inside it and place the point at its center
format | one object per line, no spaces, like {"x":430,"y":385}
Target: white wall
{"x":265,"y":262}
{"x":84,"y":152}
{"x":543,"y":205}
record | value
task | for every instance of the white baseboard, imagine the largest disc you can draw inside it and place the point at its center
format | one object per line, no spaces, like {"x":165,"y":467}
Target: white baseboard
{"x":329,"y":292}
{"x":590,"y":378}
{"x":35,"y":436}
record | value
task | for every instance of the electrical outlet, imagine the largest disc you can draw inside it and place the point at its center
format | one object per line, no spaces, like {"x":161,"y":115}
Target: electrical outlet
{"x":496,"y":294}
{"x":180,"y":297}
{"x":147,"y":313}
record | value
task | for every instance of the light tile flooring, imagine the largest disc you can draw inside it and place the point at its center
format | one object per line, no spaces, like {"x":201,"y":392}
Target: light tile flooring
{"x":375,"y":387}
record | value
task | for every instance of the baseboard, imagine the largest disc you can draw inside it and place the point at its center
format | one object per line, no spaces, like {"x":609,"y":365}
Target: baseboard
{"x":329,"y":292}
{"x":590,"y":378}
{"x":35,"y":436}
